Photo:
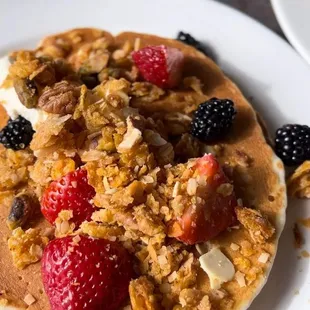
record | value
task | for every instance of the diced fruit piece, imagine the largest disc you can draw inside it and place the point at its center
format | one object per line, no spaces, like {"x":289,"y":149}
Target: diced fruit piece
{"x":71,"y":192}
{"x":85,"y":273}
{"x":160,"y":65}
{"x":213,"y":119}
{"x":17,"y":134}
{"x":215,"y":209}
{"x":292,"y":144}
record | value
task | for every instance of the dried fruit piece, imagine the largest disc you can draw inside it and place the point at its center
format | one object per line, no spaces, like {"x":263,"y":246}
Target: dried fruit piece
{"x":160,"y":65}
{"x":27,"y":92}
{"x":21,"y":210}
{"x":214,"y":210}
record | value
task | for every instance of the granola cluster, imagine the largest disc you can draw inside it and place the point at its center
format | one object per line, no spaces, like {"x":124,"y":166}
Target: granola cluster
{"x":90,"y":90}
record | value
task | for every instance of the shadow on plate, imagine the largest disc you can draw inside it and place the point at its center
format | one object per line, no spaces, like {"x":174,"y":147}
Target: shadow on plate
{"x":289,"y":273}
{"x":257,"y":94}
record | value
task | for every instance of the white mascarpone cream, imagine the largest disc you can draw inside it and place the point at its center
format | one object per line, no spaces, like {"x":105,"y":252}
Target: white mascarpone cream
{"x":12,"y":104}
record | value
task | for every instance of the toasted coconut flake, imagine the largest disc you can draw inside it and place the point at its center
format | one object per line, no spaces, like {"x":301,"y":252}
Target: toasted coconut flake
{"x":137,"y":44}
{"x":132,"y":137}
{"x":239,"y":276}
{"x":263,"y":258}
{"x":191,"y":187}
{"x":106,"y":183}
{"x":225,"y":189}
{"x":201,"y":180}
{"x":29,"y":299}
{"x":234,"y":246}
{"x":176,"y":189}
{"x":76,"y":239}
{"x":147,"y":179}
{"x":172,"y":276}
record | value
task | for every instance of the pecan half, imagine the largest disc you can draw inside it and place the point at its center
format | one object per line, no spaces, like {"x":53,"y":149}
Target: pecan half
{"x":61,"y":98}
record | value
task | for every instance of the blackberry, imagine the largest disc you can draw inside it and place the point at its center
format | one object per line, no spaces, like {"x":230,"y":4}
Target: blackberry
{"x":213,"y":119}
{"x":292,"y":144}
{"x":17,"y":134}
{"x":189,"y":40}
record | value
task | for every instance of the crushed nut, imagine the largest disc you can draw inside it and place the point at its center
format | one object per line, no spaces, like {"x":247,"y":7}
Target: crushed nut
{"x":258,"y":226}
{"x":142,"y":294}
{"x":25,"y":245}
{"x":63,"y":225}
{"x":61,"y":98}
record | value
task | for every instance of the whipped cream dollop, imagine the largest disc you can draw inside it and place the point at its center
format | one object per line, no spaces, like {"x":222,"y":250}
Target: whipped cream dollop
{"x":11,"y":103}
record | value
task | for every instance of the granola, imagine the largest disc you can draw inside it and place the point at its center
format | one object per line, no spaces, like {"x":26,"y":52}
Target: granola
{"x":26,"y":246}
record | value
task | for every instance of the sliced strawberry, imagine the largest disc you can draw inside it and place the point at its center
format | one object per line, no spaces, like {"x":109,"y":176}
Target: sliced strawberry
{"x":204,"y":220}
{"x":86,"y":273}
{"x":71,"y":192}
{"x":160,"y":65}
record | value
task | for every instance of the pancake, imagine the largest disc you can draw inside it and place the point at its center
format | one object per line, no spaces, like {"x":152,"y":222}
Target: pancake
{"x":258,"y":174}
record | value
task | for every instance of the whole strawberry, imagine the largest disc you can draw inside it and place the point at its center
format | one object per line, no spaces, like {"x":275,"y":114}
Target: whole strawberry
{"x":160,"y":65}
{"x":71,"y":192}
{"x":86,"y":273}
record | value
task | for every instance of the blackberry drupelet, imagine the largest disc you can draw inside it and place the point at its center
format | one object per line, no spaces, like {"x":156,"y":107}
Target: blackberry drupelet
{"x":17,"y":134}
{"x":292,"y":144}
{"x":213,"y":119}
{"x":189,"y":40}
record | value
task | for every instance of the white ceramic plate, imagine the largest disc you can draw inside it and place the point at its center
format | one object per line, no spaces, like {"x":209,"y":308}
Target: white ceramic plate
{"x":267,"y":69}
{"x":293,"y":16}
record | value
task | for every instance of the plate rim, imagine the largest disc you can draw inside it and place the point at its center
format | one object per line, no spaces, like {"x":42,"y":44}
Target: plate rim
{"x":290,"y":33}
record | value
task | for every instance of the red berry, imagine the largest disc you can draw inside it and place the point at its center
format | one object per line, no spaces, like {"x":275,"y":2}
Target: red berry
{"x":204,"y":221}
{"x":89,"y":274}
{"x":71,"y":192}
{"x":160,"y":65}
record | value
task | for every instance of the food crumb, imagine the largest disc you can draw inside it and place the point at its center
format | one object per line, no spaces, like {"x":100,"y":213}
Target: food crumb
{"x":29,"y":299}
{"x":305,"y":254}
{"x":296,"y":292}
{"x":298,"y":239}
{"x":305,"y":222}
{"x":4,"y":302}
{"x":234,"y":246}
